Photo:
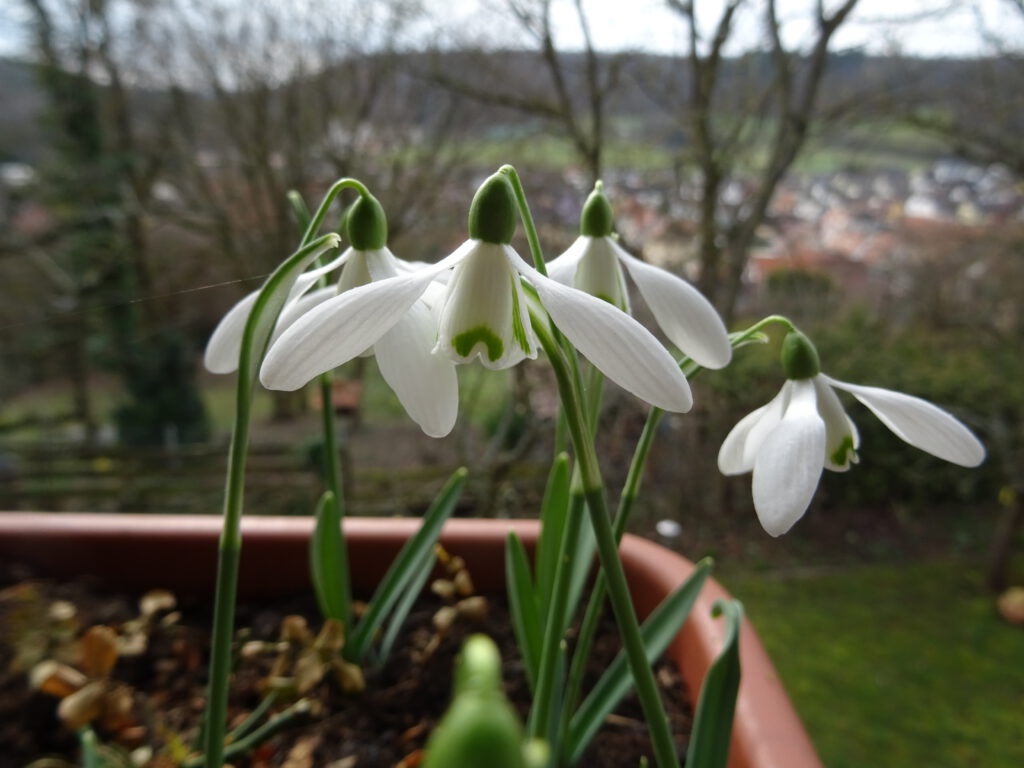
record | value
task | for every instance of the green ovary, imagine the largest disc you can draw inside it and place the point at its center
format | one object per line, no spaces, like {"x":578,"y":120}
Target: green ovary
{"x":467,"y":340}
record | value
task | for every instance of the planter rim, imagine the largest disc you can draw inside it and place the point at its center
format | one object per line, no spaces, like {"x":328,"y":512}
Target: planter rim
{"x":767,"y":732}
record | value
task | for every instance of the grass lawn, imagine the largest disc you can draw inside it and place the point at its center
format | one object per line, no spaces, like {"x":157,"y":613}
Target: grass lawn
{"x":897,"y":666}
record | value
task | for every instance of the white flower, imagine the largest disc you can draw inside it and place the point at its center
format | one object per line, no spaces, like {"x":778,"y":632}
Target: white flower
{"x":594,"y":265}
{"x":804,"y":429}
{"x":225,"y":344}
{"x":483,"y":313}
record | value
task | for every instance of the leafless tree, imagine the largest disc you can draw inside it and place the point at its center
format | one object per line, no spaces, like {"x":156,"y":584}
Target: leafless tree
{"x":975,"y":110}
{"x":579,"y":85}
{"x":746,"y":119}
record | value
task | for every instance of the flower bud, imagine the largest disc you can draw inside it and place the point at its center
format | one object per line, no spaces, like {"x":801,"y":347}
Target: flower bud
{"x":799,"y":357}
{"x":480,"y":729}
{"x":366,"y":225}
{"x":597,"y":219}
{"x":492,"y":214}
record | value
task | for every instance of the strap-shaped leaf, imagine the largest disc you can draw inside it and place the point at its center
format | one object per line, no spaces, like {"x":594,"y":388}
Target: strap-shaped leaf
{"x":405,"y":567}
{"x":325,"y":560}
{"x":553,"y":514}
{"x":584,"y":551}
{"x":422,"y":570}
{"x":524,"y":607}
{"x":712,"y":725}
{"x":657,"y":632}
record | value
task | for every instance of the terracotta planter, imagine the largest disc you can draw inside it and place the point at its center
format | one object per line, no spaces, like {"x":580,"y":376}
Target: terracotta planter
{"x":179,"y":552}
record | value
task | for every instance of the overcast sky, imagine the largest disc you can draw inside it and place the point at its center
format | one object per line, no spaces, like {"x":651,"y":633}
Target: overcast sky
{"x":911,"y":27}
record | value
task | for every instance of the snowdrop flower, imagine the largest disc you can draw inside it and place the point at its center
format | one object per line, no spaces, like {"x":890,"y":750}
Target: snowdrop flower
{"x":804,"y":429}
{"x":225,"y":344}
{"x":483,"y":315}
{"x":424,"y":383}
{"x":594,"y":264}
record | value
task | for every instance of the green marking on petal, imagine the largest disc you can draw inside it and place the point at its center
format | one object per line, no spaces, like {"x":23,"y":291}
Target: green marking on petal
{"x":518,"y":327}
{"x":844,"y":452}
{"x":467,"y":340}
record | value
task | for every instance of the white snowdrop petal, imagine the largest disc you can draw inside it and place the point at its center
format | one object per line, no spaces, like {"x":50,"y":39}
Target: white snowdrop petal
{"x":563,"y":268}
{"x":339,"y":329}
{"x":485,"y":312}
{"x":789,"y":463}
{"x":306,"y":280}
{"x":618,"y":345}
{"x":764,"y":426}
{"x":733,"y":456}
{"x":600,"y":272}
{"x":841,"y":437}
{"x":683,"y":313}
{"x":297,"y":308}
{"x":424,"y":383}
{"x":225,"y":344}
{"x":920,"y":423}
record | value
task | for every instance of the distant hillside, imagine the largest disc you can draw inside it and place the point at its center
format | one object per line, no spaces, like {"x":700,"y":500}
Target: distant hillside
{"x":645,"y":80}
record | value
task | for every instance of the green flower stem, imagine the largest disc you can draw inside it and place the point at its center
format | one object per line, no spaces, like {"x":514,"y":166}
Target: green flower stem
{"x":554,"y":625}
{"x":334,"y":511}
{"x":336,"y":188}
{"x":630,"y":491}
{"x":524,"y":212}
{"x":618,"y":589}
{"x":230,"y":545}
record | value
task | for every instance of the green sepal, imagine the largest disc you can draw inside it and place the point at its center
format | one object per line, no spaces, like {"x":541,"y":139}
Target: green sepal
{"x":492,"y":214}
{"x":366,"y":224}
{"x":799,"y":357}
{"x":597,"y":218}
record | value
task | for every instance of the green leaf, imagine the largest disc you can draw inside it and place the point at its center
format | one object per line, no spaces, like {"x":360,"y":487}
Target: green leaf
{"x":712,"y":725}
{"x":405,"y":568}
{"x":583,"y":551}
{"x":524,"y":607}
{"x":554,"y":512}
{"x":422,"y":569}
{"x":325,"y":558}
{"x":657,"y":632}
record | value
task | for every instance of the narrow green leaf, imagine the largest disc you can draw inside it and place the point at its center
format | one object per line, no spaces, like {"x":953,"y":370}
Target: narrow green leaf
{"x":712,"y":725}
{"x":584,"y":552}
{"x":524,"y":607}
{"x":325,"y":558}
{"x":657,"y":632}
{"x":554,"y":512}
{"x":421,"y":569}
{"x":404,"y":568}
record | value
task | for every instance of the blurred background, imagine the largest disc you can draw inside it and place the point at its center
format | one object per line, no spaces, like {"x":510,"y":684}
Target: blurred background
{"x":856,"y":166}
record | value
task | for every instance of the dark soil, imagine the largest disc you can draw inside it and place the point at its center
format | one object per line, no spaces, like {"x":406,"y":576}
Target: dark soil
{"x":383,"y":727}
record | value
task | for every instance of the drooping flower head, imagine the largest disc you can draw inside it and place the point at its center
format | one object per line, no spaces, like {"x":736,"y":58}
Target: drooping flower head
{"x":594,"y":264}
{"x":804,"y":429}
{"x":483,"y":314}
